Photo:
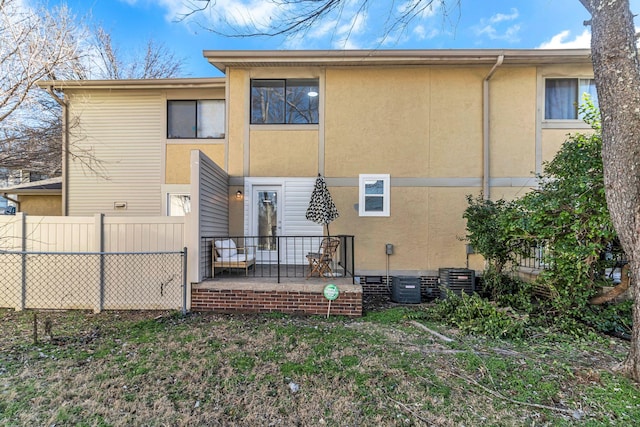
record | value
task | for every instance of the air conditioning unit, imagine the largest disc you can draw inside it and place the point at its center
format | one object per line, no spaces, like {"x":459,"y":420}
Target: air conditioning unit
{"x":457,"y":280}
{"x":405,"y":290}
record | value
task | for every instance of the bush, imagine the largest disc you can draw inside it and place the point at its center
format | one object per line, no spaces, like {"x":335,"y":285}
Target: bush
{"x":569,"y":213}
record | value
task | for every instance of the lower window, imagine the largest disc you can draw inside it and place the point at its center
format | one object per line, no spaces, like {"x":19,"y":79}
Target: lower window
{"x":374,"y":197}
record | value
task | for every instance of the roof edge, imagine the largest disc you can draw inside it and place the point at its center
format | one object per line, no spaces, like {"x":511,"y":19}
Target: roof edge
{"x":238,"y":58}
{"x":177,"y":83}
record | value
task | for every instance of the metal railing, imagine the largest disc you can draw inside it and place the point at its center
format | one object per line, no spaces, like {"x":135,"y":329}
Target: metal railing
{"x":533,"y":255}
{"x":273,"y":256}
{"x":93,"y":280}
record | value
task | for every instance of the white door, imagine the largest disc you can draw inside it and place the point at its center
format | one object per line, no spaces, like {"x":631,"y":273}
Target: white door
{"x":267,"y":208}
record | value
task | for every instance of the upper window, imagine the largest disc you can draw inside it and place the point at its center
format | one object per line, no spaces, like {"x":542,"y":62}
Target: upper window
{"x":284,"y":101}
{"x":562,"y":97}
{"x":374,"y":195}
{"x":195,"y":119}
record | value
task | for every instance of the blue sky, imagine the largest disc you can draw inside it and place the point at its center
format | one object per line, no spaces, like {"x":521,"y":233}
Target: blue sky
{"x":477,"y":24}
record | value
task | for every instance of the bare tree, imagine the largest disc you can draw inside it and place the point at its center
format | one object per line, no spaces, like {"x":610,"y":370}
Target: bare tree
{"x":617,"y":75}
{"x":154,"y":62}
{"x":35,"y":44}
{"x":46,"y":44}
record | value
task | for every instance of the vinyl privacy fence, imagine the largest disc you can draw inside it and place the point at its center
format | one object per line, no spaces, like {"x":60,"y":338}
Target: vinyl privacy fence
{"x":54,"y":266}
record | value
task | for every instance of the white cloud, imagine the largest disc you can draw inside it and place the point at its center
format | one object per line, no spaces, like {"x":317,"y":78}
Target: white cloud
{"x":500,"y":17}
{"x":509,"y":35}
{"x":421,"y":33}
{"x":493,"y":28}
{"x":562,"y":41}
{"x":357,"y":25}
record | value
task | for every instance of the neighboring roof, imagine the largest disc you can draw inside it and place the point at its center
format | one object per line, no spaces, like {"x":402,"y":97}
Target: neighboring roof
{"x":45,"y":186}
{"x":209,"y":82}
{"x":221,"y":59}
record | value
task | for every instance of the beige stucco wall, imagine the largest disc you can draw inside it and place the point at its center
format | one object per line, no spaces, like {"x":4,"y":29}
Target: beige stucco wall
{"x":284,"y":153}
{"x":41,"y":204}
{"x":456,"y":122}
{"x":424,"y":227}
{"x":513,"y":125}
{"x":238,"y":120}
{"x":377,"y":120}
{"x":421,"y":125}
{"x":177,"y":160}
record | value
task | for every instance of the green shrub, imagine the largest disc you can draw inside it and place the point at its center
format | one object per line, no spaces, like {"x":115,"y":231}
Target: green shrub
{"x":568,"y":211}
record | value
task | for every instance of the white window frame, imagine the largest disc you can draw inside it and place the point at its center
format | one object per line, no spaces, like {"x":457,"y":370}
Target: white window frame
{"x":386,"y":194}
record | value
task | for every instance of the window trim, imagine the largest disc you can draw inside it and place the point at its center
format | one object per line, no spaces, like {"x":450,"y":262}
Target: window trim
{"x":386,"y":194}
{"x":196,"y":101}
{"x":285,"y":80}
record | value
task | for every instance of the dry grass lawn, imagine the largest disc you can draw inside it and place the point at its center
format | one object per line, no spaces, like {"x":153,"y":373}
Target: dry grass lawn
{"x":161,"y":369}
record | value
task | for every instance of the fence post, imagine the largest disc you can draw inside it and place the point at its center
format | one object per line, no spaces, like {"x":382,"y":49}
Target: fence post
{"x":22,"y":232}
{"x":99,"y":236}
{"x":184,"y":281}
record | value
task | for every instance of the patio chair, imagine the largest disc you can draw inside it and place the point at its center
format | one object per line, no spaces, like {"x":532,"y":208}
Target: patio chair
{"x":320,"y":262}
{"x":226,"y":255}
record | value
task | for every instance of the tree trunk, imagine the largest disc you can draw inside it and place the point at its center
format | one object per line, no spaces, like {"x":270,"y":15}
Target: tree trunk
{"x":617,"y":74}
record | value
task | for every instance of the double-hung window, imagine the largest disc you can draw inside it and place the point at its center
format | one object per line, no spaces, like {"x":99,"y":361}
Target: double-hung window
{"x":284,"y":101}
{"x":195,"y":118}
{"x":374,"y":195}
{"x":562,"y":97}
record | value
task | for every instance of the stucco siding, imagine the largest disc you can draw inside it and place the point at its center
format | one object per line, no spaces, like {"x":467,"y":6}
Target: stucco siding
{"x":374,"y":115}
{"x":552,"y":140}
{"x":456,"y":122}
{"x":424,"y":226}
{"x":513,"y":122}
{"x":41,"y":204}
{"x":117,"y":152}
{"x":177,"y":156}
{"x":238,"y":121}
{"x":296,"y":151}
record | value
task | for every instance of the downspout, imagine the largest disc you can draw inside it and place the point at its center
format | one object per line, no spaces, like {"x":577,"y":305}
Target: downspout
{"x":486,"y":174}
{"x":65,"y":146}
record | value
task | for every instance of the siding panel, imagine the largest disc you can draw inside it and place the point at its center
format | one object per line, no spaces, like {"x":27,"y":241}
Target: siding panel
{"x":124,"y":130}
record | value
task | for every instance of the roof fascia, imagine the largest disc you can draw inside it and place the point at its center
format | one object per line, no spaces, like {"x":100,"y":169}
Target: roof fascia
{"x":130,"y":84}
{"x":222,"y":59}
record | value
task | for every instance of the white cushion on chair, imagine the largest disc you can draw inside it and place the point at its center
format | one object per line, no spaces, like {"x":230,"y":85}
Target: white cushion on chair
{"x":236,"y":258}
{"x":226,"y":248}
